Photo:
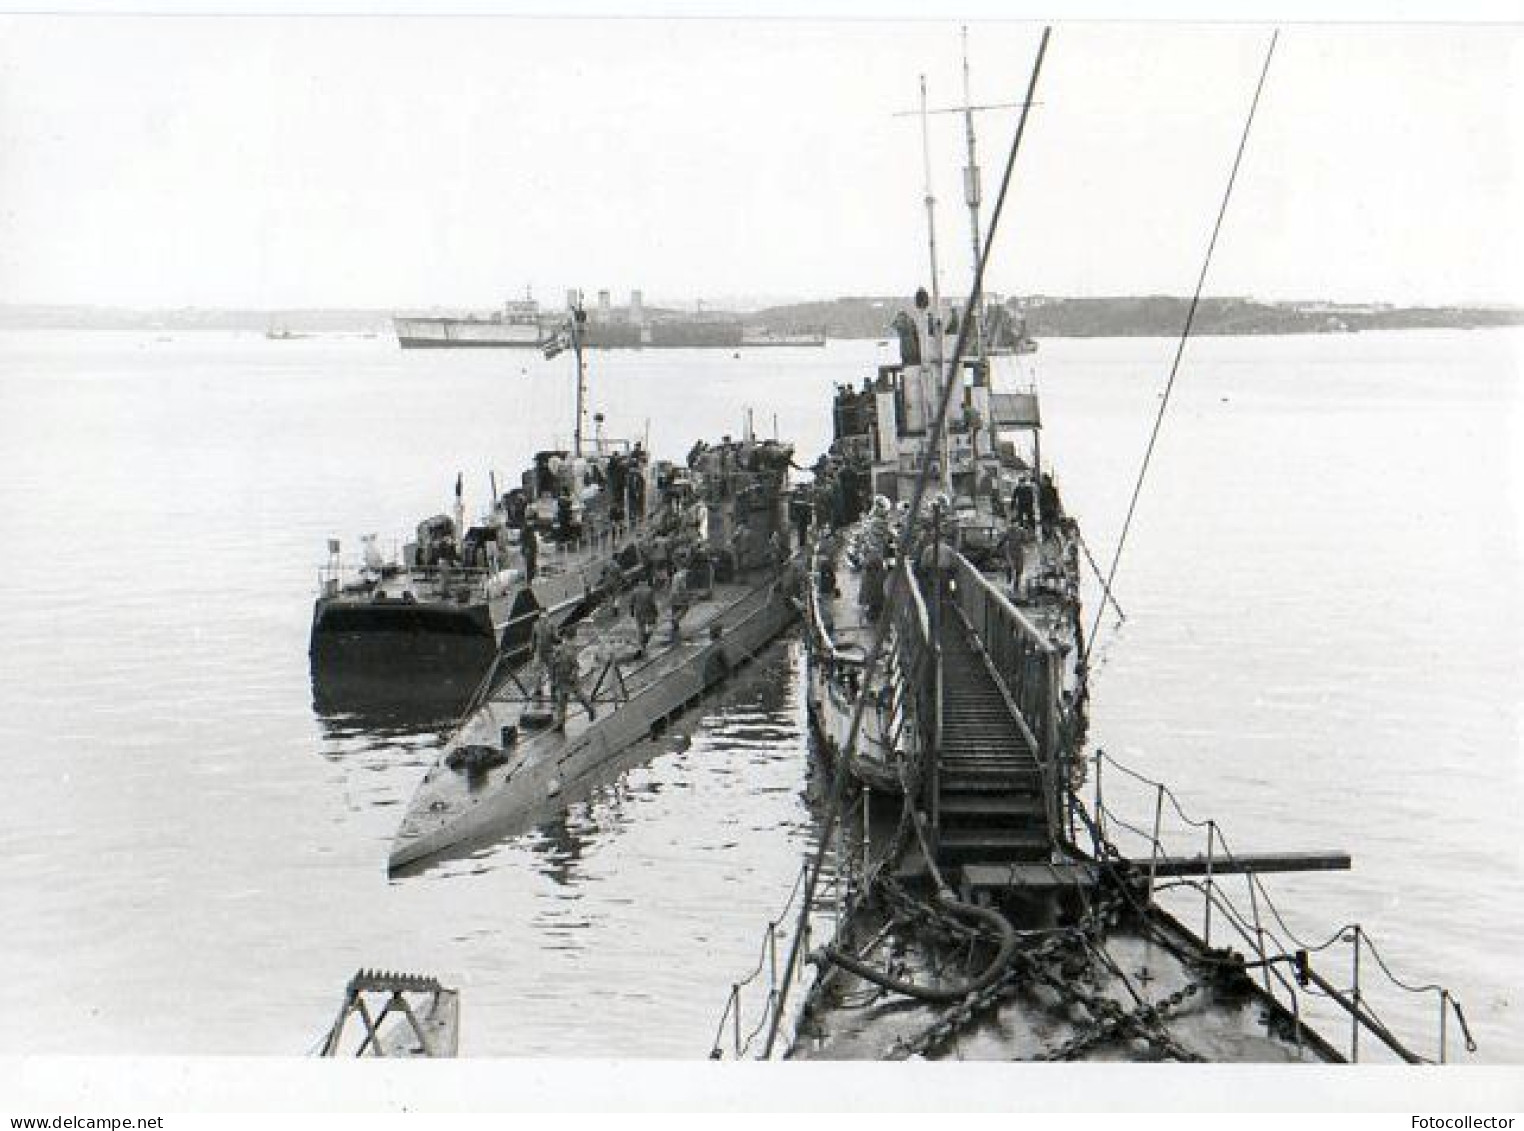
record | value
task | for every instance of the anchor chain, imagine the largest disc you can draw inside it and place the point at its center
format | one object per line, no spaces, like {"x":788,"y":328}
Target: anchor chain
{"x":1050,"y":963}
{"x":1146,"y":1020}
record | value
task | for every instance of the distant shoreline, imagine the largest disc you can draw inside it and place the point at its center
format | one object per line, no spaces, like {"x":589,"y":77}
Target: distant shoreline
{"x":858,"y":317}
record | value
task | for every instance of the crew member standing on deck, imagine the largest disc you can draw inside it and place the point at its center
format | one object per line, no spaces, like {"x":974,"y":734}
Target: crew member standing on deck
{"x":643,"y":609}
{"x":777,"y":549}
{"x":871,"y":593}
{"x":1015,"y":556}
{"x":610,"y":580}
{"x":565,"y":681}
{"x":739,"y":549}
{"x":661,"y":559}
{"x":802,"y":512}
{"x":1047,"y":499}
{"x":1024,"y":503}
{"x":680,"y":600}
{"x":542,"y":640}
{"x":529,"y":546}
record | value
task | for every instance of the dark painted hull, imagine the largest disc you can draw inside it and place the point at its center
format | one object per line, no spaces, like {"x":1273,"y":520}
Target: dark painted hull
{"x":427,"y":657}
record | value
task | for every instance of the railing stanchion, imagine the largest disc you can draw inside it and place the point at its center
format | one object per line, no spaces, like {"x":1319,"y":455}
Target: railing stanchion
{"x":1444,"y":1008}
{"x":1354,"y":1014}
{"x":866,"y":843}
{"x":735,"y":1001}
{"x":1153,"y":858}
{"x":1259,"y":930}
{"x":772,"y":954}
{"x":1211,"y":848}
{"x":1296,"y":1018}
{"x":837,"y":870}
{"x":1100,"y":805}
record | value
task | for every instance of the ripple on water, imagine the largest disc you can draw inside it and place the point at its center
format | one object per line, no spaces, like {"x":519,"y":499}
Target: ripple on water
{"x":1321,"y":651}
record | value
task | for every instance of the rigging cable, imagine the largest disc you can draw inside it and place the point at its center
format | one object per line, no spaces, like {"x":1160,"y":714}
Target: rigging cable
{"x":870,"y":665}
{"x":1190,"y":317}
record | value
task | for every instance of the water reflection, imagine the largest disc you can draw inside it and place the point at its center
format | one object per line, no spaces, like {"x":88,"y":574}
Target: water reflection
{"x":391,"y":699}
{"x":750,"y":730}
{"x":346,"y":732}
{"x":559,"y":845}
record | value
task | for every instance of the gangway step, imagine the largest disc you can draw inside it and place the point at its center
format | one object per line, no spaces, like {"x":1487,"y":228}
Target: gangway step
{"x":962,"y":751}
{"x":988,"y":843}
{"x":990,"y":783}
{"x":989,"y":765}
{"x":998,"y":805}
{"x":992,"y":729}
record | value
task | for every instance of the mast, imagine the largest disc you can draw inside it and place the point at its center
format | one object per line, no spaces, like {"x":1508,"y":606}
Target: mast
{"x":936,"y":284}
{"x":971,"y":194}
{"x":578,"y":316}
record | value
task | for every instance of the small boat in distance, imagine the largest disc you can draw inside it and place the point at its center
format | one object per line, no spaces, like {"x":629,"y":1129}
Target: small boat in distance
{"x":279,"y":332}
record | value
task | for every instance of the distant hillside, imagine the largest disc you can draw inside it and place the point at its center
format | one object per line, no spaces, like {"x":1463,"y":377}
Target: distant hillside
{"x":1165,"y":315}
{"x":1151,"y":316}
{"x":853,"y":317}
{"x":858,"y":316}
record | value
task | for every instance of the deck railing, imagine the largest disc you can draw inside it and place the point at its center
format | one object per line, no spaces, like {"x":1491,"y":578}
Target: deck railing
{"x":342,"y":570}
{"x":1023,"y":657}
{"x":1285,"y":961}
{"x":756,"y":1000}
{"x":917,"y":657}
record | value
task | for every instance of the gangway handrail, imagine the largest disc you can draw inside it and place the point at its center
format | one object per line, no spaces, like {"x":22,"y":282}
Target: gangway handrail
{"x":969,"y":571}
{"x":906,"y":577}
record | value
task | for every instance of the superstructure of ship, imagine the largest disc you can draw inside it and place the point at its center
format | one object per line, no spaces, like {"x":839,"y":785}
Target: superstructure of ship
{"x":996,"y":508}
{"x":976,"y":892}
{"x":429,"y":624}
{"x":1005,"y":330}
{"x":719,"y":537}
{"x":522,"y":324}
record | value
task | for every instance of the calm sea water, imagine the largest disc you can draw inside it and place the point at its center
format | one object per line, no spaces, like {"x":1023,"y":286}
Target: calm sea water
{"x":1322,"y":651}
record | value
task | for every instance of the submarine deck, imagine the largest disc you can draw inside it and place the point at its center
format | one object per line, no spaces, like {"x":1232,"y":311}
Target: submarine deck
{"x":634,"y":696}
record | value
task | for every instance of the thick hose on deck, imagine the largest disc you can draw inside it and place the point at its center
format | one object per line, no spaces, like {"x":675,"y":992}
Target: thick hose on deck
{"x":941,"y":994}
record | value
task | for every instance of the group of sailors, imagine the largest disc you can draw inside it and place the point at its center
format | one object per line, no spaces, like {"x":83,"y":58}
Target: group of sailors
{"x":673,"y":568}
{"x":561,"y":491}
{"x":1029,"y":498}
{"x":841,"y":490}
{"x":1037,"y":544}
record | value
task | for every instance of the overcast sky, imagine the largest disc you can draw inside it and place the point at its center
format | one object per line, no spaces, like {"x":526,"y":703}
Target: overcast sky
{"x":388,"y":162}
